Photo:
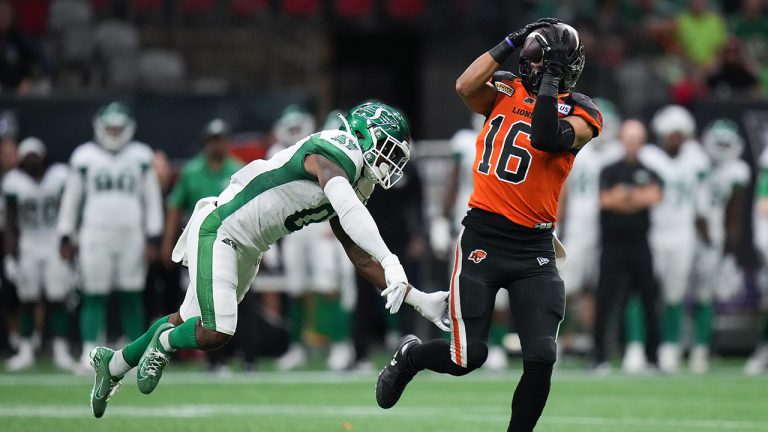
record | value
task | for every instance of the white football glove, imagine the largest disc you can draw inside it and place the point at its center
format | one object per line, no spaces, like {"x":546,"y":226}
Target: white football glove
{"x":397,"y":283}
{"x":432,"y":306}
{"x":12,"y":271}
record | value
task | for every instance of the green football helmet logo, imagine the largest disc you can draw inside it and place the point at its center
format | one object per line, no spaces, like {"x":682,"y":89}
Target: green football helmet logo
{"x":383,"y":135}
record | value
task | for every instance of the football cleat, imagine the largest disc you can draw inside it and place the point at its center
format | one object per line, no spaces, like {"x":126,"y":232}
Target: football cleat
{"x":758,"y":362}
{"x":104,"y":384}
{"x":396,"y":374}
{"x":634,"y":361}
{"x":699,"y":359}
{"x":152,"y":362}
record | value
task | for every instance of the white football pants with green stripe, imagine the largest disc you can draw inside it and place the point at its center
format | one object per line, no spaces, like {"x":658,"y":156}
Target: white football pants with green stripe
{"x":220,"y":273}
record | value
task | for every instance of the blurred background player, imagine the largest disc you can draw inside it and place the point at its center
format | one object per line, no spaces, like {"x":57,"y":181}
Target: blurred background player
{"x":31,"y":193}
{"x":113,"y":181}
{"x":9,"y":302}
{"x":757,"y":362}
{"x":315,"y":267}
{"x":580,"y":226}
{"x":205,"y":175}
{"x":725,"y":190}
{"x":628,"y":189}
{"x":683,"y":166}
{"x":446,"y":227}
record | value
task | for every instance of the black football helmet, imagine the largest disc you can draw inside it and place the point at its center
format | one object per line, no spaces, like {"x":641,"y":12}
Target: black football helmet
{"x":532,"y":56}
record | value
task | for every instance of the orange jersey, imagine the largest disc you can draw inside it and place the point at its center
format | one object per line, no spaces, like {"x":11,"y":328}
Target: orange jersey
{"x":511,"y":178}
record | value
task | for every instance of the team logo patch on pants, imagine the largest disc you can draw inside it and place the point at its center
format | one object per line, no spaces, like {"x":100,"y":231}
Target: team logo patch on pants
{"x":477,"y":255}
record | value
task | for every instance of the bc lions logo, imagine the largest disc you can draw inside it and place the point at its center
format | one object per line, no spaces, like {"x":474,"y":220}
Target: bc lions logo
{"x":477,"y":255}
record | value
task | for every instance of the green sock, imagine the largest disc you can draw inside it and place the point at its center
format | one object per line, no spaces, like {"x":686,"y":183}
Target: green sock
{"x":26,"y":320}
{"x":132,"y":314}
{"x":183,"y":336}
{"x":670,"y":323}
{"x":634,"y":321}
{"x":59,"y":319}
{"x":705,"y":314}
{"x":133,"y":351}
{"x":330,"y":318}
{"x":296,"y":317}
{"x":497,"y":333}
{"x":92,"y":316}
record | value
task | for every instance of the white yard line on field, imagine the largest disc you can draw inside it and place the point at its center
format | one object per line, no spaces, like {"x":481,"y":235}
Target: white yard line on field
{"x":346,"y":411}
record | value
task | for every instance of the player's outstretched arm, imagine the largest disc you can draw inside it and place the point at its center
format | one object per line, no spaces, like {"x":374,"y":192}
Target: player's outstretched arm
{"x":359,"y":226}
{"x":432,"y":306}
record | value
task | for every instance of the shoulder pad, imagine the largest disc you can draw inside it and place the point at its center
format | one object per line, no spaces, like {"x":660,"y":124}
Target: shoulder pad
{"x":10,"y":182}
{"x":503,"y":76}
{"x":588,"y":106}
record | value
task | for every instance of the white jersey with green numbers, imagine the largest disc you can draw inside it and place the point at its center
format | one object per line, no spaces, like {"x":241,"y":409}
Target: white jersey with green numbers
{"x":721,"y":182}
{"x":268,"y":199}
{"x":37,"y":204}
{"x":673,"y":220}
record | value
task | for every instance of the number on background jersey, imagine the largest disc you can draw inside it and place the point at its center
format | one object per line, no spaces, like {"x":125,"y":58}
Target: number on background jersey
{"x":519,"y":130}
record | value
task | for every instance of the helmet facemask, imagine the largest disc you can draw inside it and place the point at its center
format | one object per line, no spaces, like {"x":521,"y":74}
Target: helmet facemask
{"x":386,"y":159}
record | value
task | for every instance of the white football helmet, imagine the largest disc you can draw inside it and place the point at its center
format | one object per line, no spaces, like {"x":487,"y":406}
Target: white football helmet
{"x":294,"y":124}
{"x":722,"y":141}
{"x":113,"y":126}
{"x":673,"y":118}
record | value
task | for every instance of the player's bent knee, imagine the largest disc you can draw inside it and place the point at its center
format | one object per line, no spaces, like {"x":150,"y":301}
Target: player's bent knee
{"x":543,"y":350}
{"x":209,"y":340}
{"x":477,"y":353}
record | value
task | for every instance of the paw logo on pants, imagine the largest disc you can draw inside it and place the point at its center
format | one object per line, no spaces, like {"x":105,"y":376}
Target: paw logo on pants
{"x":477,"y":255}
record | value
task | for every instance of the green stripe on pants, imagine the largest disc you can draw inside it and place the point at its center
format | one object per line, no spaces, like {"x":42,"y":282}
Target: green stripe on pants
{"x":204,"y":275}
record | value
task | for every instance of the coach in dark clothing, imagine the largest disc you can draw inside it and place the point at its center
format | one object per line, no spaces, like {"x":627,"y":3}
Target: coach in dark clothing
{"x":627,"y":191}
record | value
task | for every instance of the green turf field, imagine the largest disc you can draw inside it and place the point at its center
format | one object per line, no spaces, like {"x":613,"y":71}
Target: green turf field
{"x":185,"y":401}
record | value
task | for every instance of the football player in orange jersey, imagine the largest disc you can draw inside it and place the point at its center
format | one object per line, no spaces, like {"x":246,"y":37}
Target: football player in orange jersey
{"x":535,"y":126}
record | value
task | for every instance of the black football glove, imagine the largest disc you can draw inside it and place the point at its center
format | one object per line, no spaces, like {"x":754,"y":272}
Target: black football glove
{"x":556,"y":54}
{"x":515,"y":39}
{"x":518,"y":37}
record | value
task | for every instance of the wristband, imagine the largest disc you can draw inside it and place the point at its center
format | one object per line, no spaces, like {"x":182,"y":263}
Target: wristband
{"x":502,"y":51}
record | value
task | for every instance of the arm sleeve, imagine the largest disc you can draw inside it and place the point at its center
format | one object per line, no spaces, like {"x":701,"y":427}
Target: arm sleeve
{"x":70,"y":202}
{"x":355,"y":219}
{"x":548,"y":132}
{"x":153,"y":204}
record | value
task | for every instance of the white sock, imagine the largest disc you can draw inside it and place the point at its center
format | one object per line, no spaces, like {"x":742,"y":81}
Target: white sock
{"x":118,"y":366}
{"x":165,"y":341}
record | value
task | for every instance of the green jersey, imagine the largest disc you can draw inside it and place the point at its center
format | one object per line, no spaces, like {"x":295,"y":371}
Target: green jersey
{"x":198,"y":181}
